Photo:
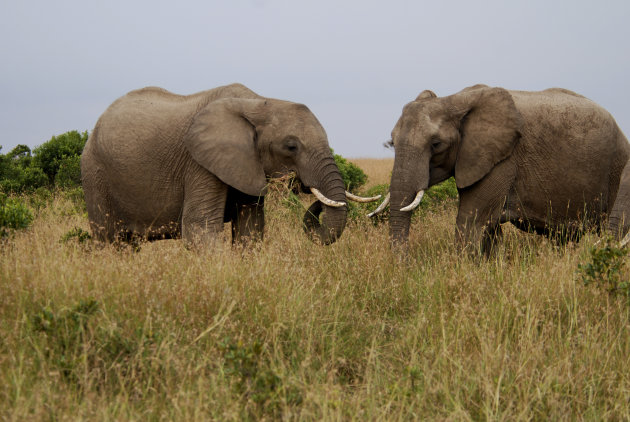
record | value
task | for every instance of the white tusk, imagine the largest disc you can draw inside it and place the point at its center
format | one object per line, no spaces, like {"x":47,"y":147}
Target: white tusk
{"x":625,"y":240}
{"x":380,"y":207}
{"x":325,"y":200}
{"x":357,"y":198}
{"x":415,"y":202}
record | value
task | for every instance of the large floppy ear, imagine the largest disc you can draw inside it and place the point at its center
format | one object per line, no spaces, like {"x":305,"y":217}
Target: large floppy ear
{"x":222,"y":139}
{"x":490,"y":126}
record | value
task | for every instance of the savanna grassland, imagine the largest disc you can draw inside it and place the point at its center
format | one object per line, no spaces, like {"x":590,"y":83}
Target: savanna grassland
{"x":295,"y":331}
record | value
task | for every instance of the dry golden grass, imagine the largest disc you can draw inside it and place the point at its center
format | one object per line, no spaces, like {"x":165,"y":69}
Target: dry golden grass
{"x":292,"y":330}
{"x":379,"y":170}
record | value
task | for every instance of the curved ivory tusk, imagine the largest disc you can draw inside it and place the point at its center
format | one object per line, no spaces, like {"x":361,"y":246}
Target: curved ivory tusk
{"x":415,"y":202}
{"x":325,"y":200}
{"x":357,"y":198}
{"x":625,"y":240}
{"x":380,"y":207}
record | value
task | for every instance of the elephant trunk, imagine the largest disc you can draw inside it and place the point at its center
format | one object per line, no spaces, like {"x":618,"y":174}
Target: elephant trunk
{"x":409,"y":176}
{"x":399,"y":221}
{"x":328,"y":181}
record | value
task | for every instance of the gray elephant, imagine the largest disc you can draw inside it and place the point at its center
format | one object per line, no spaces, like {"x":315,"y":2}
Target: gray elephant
{"x":545,"y":161}
{"x":161,"y":165}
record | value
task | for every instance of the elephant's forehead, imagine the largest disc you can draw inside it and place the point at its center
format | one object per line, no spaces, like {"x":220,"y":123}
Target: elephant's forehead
{"x":304,"y":124}
{"x":420,"y":119}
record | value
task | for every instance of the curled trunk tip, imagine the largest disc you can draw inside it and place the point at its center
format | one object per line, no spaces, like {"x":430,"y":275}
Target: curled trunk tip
{"x":325,"y":234}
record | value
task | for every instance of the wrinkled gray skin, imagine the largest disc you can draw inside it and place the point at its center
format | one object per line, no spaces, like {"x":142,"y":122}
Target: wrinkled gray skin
{"x":548,"y":161}
{"x":161,"y":165}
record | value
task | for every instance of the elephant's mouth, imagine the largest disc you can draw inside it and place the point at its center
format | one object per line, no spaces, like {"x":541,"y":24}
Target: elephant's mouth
{"x":296,"y":186}
{"x":327,"y":228}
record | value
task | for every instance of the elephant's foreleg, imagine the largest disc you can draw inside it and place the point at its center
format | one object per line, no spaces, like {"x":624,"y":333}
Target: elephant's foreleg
{"x":478,"y":230}
{"x":619,"y":221}
{"x":481,"y":209}
{"x":204,"y":204}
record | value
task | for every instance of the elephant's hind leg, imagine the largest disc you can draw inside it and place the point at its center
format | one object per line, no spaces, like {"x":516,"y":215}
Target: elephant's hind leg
{"x":204,"y":204}
{"x":619,"y":220}
{"x":100,"y":213}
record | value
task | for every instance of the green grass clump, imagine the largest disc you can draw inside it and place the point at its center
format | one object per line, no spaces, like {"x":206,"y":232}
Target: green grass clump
{"x":14,"y":215}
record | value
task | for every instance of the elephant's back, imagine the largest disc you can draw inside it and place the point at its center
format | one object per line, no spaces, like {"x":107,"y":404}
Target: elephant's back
{"x":563,"y":110}
{"x":567,"y":137}
{"x":136,"y":156}
{"x":146,"y":120}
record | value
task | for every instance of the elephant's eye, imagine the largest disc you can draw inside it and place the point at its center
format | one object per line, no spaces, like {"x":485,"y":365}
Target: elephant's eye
{"x":291,"y":144}
{"x":435,"y":143}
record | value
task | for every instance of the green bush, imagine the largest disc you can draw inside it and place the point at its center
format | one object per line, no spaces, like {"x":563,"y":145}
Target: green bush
{"x":51,"y":155}
{"x":352,"y":175}
{"x":17,"y":173}
{"x":439,"y":193}
{"x":13,"y":215}
{"x":605,"y":268}
{"x":21,"y":156}
{"x":23,"y":179}
{"x":434,"y":196}
{"x":55,"y":162}
{"x":361,"y":210}
{"x":69,"y":173}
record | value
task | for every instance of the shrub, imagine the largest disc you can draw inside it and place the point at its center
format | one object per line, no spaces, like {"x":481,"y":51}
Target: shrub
{"x":434,"y":196}
{"x":20,"y":155}
{"x":439,"y":193}
{"x":54,"y":162}
{"x":69,"y":173}
{"x":358,"y":211}
{"x":52,"y":154}
{"x":352,"y":175}
{"x":605,"y":268}
{"x":13,"y":215}
{"x":23,"y":179}
{"x":17,"y":174}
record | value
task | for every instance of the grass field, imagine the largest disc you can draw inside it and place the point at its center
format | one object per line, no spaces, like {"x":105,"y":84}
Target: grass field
{"x":295,"y":331}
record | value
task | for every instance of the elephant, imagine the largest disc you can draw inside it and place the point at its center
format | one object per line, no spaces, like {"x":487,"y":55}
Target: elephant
{"x":546,"y":161}
{"x":161,"y":165}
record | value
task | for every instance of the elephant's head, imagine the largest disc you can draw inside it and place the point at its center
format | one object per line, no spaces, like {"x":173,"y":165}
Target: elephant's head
{"x":463,"y":135}
{"x":245,"y":141}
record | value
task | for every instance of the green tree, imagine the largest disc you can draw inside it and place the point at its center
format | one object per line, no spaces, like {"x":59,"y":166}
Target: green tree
{"x":51,"y":155}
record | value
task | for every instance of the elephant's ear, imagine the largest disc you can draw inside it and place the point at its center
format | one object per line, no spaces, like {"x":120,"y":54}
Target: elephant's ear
{"x":426,"y":94}
{"x":490,"y":126}
{"x":222,"y":139}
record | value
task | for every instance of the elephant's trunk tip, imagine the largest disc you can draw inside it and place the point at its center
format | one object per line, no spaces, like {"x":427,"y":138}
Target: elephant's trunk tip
{"x":328,"y":232}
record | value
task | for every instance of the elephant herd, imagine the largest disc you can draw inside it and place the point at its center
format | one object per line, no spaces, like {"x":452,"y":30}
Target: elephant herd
{"x":160,"y":165}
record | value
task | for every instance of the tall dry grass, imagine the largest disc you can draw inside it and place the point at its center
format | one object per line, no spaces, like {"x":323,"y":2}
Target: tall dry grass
{"x":379,"y":170}
{"x":291,"y":330}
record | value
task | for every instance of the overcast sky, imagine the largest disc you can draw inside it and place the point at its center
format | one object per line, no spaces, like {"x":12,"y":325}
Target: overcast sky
{"x":354,"y":63}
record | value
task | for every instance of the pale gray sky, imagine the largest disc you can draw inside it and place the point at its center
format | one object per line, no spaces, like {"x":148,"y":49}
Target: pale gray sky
{"x":354,"y":63}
